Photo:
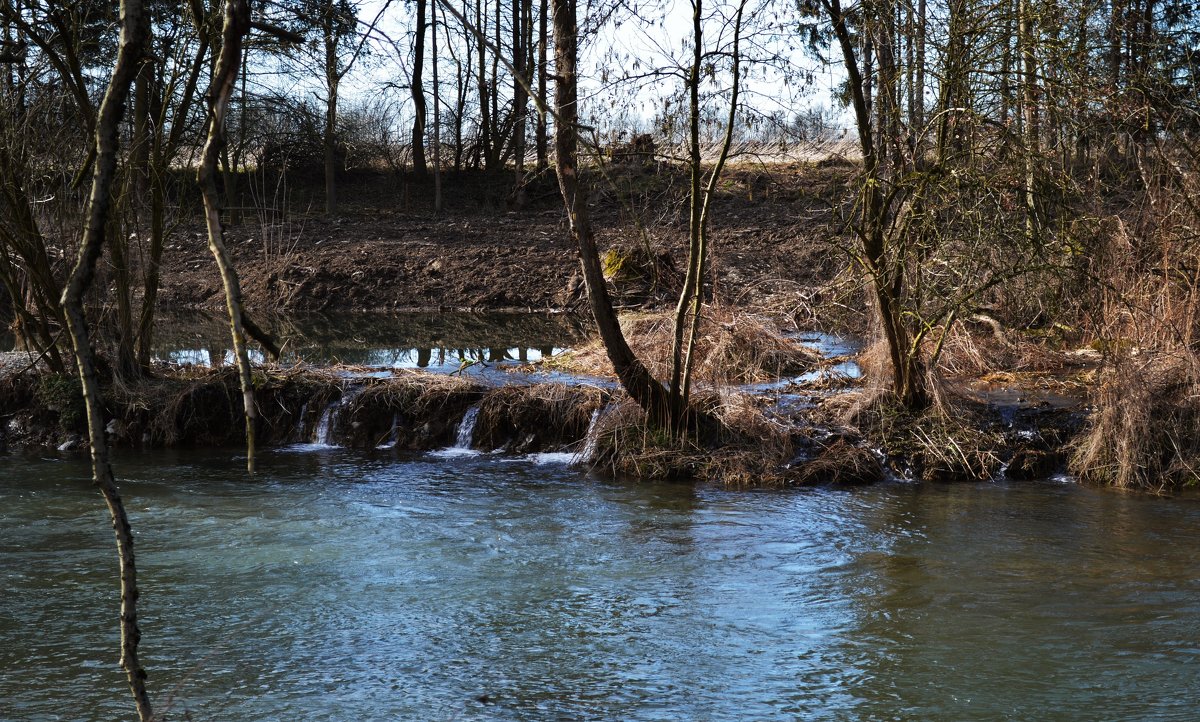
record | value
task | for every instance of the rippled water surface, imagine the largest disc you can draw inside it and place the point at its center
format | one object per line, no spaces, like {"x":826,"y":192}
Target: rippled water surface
{"x":337,"y":586}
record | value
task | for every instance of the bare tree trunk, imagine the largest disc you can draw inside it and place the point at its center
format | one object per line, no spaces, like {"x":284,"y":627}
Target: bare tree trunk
{"x":922,"y":24}
{"x":135,"y":32}
{"x":1029,"y":109}
{"x":497,"y":145}
{"x":908,"y":379}
{"x":520,"y":97}
{"x":418,"y":95}
{"x":634,"y":376}
{"x":237,"y":24}
{"x":485,"y":117}
{"x":437,"y":122}
{"x":332,"y":80}
{"x":710,"y":189}
{"x":692,"y":278}
{"x":1006,"y":63}
{"x":542,"y":159}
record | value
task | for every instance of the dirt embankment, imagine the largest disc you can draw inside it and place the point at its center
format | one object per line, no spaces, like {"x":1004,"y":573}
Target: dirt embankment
{"x":386,"y":250}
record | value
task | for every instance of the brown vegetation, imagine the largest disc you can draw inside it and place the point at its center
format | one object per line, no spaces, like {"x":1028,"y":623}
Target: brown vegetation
{"x":732,"y":348}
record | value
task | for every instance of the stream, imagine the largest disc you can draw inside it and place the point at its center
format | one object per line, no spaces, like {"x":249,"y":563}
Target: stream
{"x":341,"y":585}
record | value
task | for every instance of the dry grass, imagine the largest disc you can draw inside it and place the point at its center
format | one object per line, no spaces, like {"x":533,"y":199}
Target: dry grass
{"x":749,"y":447}
{"x":733,"y":348}
{"x":841,"y":463}
{"x":535,"y":418}
{"x":954,"y":439}
{"x":966,"y":353}
{"x":1145,"y":432}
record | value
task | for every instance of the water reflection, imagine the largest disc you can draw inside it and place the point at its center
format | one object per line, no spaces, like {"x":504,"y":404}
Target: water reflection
{"x":433,"y":359}
{"x":445,"y":341}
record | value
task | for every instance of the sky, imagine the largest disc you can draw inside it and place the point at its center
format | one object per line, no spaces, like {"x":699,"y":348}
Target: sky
{"x":632,"y":68}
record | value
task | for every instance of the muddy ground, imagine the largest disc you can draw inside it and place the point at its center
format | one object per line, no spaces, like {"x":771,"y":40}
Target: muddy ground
{"x":387,"y":250}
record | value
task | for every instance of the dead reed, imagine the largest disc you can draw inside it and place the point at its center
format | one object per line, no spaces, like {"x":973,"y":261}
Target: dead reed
{"x":1145,"y":432}
{"x":732,"y":348}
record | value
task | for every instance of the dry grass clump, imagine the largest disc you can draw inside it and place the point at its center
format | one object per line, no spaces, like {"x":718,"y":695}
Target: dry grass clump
{"x":954,"y":439}
{"x":1145,"y":432}
{"x":732,"y":348}
{"x":966,"y":353}
{"x":746,"y":447}
{"x":841,"y":463}
{"x":527,"y":419}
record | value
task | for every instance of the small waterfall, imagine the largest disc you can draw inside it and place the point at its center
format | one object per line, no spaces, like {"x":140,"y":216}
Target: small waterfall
{"x":324,"y":432}
{"x":323,"y":436}
{"x":466,"y":428}
{"x":591,"y":439}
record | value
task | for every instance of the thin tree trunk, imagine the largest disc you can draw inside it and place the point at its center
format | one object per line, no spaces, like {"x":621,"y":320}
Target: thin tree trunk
{"x":710,"y":191}
{"x":1029,"y":109}
{"x":692,"y":278}
{"x":520,"y":56}
{"x":135,"y":31}
{"x":237,"y":23}
{"x":922,"y":23}
{"x":542,"y":156}
{"x":485,"y":120}
{"x":332,"y":79}
{"x":420,"y":168}
{"x":497,"y":146}
{"x":437,"y":122}
{"x":908,"y":381}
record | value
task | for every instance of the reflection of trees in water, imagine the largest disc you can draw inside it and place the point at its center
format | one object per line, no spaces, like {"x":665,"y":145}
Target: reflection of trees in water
{"x":432,"y":330}
{"x":420,"y":340}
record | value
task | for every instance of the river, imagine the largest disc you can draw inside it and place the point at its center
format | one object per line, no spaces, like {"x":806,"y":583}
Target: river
{"x":343,"y":586}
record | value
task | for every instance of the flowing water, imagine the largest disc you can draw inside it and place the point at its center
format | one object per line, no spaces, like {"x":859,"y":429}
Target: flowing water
{"x":344,"y":586}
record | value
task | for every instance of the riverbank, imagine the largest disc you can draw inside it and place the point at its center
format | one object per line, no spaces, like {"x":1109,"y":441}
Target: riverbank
{"x":775,"y":258}
{"x":797,"y":433}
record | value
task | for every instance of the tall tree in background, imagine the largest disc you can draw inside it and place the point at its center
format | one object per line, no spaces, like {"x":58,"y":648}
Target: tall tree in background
{"x":337,"y":23}
{"x":418,"y":92}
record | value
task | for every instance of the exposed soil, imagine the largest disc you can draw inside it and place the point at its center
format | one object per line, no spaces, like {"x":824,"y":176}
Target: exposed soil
{"x":386,"y":250}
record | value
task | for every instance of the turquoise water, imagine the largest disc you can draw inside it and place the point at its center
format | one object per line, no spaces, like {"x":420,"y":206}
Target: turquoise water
{"x":344,"y":586}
